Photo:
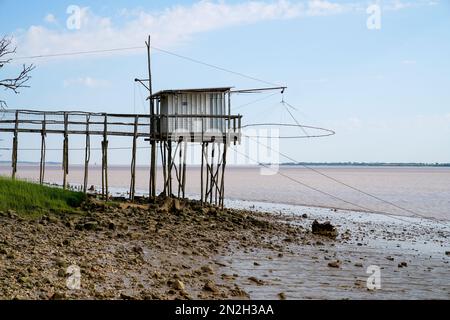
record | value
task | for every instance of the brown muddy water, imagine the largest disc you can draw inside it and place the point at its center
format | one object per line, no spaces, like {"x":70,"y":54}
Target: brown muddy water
{"x":425,"y":191}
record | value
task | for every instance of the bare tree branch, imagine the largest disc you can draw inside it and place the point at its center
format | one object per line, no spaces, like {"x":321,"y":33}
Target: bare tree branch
{"x":12,"y":83}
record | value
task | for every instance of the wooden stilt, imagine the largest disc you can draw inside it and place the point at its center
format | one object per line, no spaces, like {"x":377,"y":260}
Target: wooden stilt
{"x":201,"y":172}
{"x":180,"y":165}
{"x":162,"y":146}
{"x":222,"y":184}
{"x":184,"y":169}
{"x":43,"y":147}
{"x":207,"y":172}
{"x":65,"y":151}
{"x":133,"y":160}
{"x":152,"y":184}
{"x":169,"y":168}
{"x":14,"y":149}
{"x":87,"y":155}
{"x":105,"y":192}
{"x":212,"y":173}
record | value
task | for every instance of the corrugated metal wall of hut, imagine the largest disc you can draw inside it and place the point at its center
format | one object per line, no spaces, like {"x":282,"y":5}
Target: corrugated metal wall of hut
{"x":210,"y":103}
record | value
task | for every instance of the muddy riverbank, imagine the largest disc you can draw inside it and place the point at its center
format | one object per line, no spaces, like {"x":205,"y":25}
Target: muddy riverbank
{"x":166,"y":250}
{"x":180,"y":250}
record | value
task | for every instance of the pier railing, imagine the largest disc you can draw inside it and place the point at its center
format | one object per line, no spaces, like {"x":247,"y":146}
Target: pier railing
{"x":188,"y":128}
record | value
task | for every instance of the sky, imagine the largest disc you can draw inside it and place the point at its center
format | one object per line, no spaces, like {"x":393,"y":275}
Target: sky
{"x":381,"y":82}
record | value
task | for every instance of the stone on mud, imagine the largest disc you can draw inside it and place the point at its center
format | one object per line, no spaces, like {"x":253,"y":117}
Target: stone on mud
{"x":324,"y":229}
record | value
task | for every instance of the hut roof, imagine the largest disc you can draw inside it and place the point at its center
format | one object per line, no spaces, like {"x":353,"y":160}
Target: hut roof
{"x":195,"y":90}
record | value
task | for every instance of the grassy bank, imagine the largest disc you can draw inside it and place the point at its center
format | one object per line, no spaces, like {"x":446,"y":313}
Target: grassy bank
{"x":32,"y":199}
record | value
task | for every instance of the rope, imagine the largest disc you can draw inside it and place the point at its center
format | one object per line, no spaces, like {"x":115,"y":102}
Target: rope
{"x":74,"y":53}
{"x":363,"y":208}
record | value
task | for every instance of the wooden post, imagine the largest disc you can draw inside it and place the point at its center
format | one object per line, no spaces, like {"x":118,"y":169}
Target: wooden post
{"x":105,"y":159}
{"x":133,"y":159}
{"x":216,"y":175}
{"x":152,"y":184}
{"x":184,"y":169}
{"x":224,"y":163}
{"x":180,"y":165}
{"x":65,"y":151}
{"x":212,"y":173}
{"x":207,"y":172}
{"x":169,"y":168}
{"x":201,"y":172}
{"x":15,"y":144}
{"x":43,"y":147}
{"x":163,"y":146}
{"x":87,"y":155}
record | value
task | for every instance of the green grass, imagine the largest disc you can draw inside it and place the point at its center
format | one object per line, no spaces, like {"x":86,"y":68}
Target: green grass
{"x":31,"y":199}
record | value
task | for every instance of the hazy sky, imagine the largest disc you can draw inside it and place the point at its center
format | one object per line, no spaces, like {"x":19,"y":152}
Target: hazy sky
{"x":386,"y":91}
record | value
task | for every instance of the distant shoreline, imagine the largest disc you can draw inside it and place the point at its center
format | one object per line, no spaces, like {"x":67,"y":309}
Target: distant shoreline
{"x":288,"y":164}
{"x":366,"y":164}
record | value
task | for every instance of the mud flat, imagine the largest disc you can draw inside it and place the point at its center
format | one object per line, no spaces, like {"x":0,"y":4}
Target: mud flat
{"x":166,"y":250}
{"x":179,"y":250}
{"x":413,"y":255}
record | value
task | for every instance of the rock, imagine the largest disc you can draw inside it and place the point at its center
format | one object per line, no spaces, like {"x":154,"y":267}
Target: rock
{"x":111,"y":226}
{"x":447,"y":253}
{"x":24,"y":280}
{"x":61,"y":263}
{"x":282,"y":296}
{"x":138,"y":250}
{"x":304,"y":216}
{"x":238,"y":292}
{"x":324,"y":229}
{"x":58,"y":296}
{"x":334,"y":264}
{"x":210,"y":286}
{"x":90,"y":225}
{"x":207,"y":269}
{"x":256,"y":263}
{"x":178,"y":285}
{"x":177,"y":205}
{"x":390,"y":258}
{"x":402,"y":265}
{"x":166,"y":205}
{"x":257,"y":281}
{"x":125,"y":296}
{"x":12,"y":213}
{"x":359,"y":265}
{"x":61,"y":273}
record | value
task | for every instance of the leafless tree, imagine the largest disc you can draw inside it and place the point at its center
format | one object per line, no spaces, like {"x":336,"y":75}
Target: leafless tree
{"x":16,"y":82}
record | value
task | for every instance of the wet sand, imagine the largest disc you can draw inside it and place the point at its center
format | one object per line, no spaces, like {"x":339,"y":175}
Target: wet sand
{"x":174,"y":250}
{"x":365,"y":239}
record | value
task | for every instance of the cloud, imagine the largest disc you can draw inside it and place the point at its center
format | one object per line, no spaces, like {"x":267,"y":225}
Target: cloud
{"x":175,"y":25}
{"x":169,"y":27}
{"x":88,"y":82}
{"x":395,"y":5}
{"x":50,"y":18}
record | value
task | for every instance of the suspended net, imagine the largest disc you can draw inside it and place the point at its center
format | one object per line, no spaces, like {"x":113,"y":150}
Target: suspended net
{"x":286,"y":130}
